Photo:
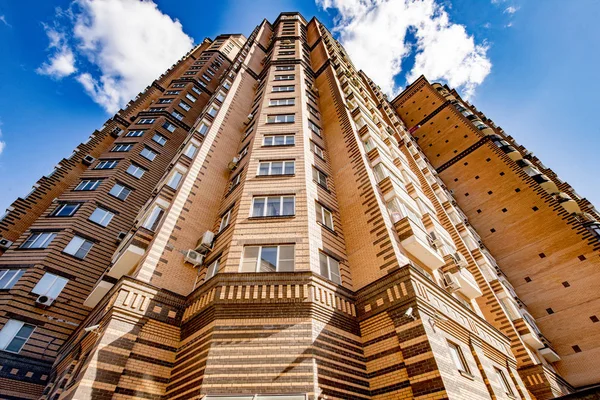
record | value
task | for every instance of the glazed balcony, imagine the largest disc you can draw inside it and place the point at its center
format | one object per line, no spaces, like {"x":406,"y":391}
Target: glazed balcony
{"x":416,"y":241}
{"x":461,"y":280}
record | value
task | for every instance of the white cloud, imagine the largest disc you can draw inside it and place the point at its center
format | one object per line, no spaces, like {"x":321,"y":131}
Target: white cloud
{"x":62,"y":62}
{"x":376,"y":35}
{"x":123,"y":45}
{"x":3,"y":20}
{"x":511,"y":10}
{"x":2,"y":142}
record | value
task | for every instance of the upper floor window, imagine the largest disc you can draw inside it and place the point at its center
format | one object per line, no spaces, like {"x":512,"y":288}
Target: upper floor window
{"x":148,"y":153}
{"x":206,"y":77}
{"x":282,"y":102}
{"x":273,"y":206}
{"x":153,"y":218}
{"x":185,"y":106}
{"x":119,"y":191}
{"x":457,"y":356}
{"x":285,"y":77}
{"x":503,"y":382}
{"x":172,"y":92}
{"x":280,"y":119}
{"x":314,"y":127}
{"x":227,"y":85}
{"x":65,"y":210}
{"x":8,"y":277}
{"x":177,"y":115}
{"x":268,"y":259}
{"x":196,"y":90}
{"x":289,"y":88}
{"x":320,"y":177}
{"x":235,"y":181}
{"x":212,"y":111}
{"x":190,"y":151}
{"x":122,"y":147}
{"x":38,"y":240}
{"x":160,"y":139}
{"x":175,"y":180}
{"x":165,"y":101}
{"x":225,"y":220}
{"x":14,"y":335}
{"x":286,"y":53}
{"x":169,"y":126}
{"x":284,"y":68}
{"x":276,"y":168}
{"x":220,"y":96}
{"x":203,"y":128}
{"x":78,"y":247}
{"x":330,"y":268}
{"x":212,"y":269}
{"x":101,"y":216}
{"x":136,"y":171}
{"x":324,"y":216}
{"x":88,"y":184}
{"x":278,"y":140}
{"x":137,"y":133}
{"x":178,"y":85}
{"x":50,"y":285}
{"x":190,"y":97}
{"x":146,"y":121}
{"x":107,"y":164}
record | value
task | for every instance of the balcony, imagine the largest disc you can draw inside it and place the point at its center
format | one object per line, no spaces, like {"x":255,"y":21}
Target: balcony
{"x":417,"y":242}
{"x":464,"y":282}
{"x":545,"y":183}
{"x":567,"y":203}
{"x":528,"y":334}
{"x":549,"y":354}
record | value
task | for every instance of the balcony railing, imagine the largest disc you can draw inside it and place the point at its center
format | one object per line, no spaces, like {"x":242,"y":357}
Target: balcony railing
{"x":417,"y":242}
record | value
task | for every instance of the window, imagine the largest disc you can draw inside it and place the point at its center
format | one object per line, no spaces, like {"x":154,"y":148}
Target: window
{"x":39,"y":240}
{"x":212,"y":111}
{"x":88,"y":184}
{"x":313,"y":111}
{"x":220,"y":96}
{"x":285,"y":77}
{"x":65,"y":210}
{"x":206,"y":77}
{"x":196,"y":90}
{"x":50,"y":285}
{"x":8,"y":277}
{"x":203,"y":128}
{"x":283,"y":88}
{"x":227,"y":85}
{"x":101,"y":216}
{"x":190,"y":151}
{"x":324,"y":216}
{"x":146,"y":121}
{"x":278,"y":140}
{"x":225,"y":220}
{"x":276,"y":168}
{"x":122,"y":147}
{"x":320,"y":177}
{"x":243,"y":153}
{"x":160,"y":139}
{"x":503,"y":381}
{"x":147,"y":153}
{"x":165,"y":101}
{"x":317,"y":150}
{"x":190,"y":97}
{"x":201,"y":83}
{"x":172,"y":92}
{"x":185,"y":106}
{"x":175,"y":180}
{"x":282,"y":102}
{"x":153,"y":219}
{"x":380,"y":172}
{"x":119,"y":191}
{"x":157,"y":109}
{"x":78,"y":247}
{"x":212,"y":269}
{"x":273,"y":206}
{"x":178,"y":85}
{"x":314,"y":127}
{"x":136,"y":170}
{"x":235,"y":181}
{"x":106,"y":164}
{"x":169,"y":126}
{"x":177,"y":115}
{"x":14,"y":335}
{"x":330,"y":268}
{"x":268,"y":258}
{"x":458,"y":358}
{"x":286,"y":53}
{"x":135,"y":133}
{"x":280,"y":119}
{"x":284,"y":68}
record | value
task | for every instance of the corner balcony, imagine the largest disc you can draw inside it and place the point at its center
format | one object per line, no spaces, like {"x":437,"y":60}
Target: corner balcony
{"x":461,"y":280}
{"x":417,"y":242}
{"x":549,"y":354}
{"x":528,"y":334}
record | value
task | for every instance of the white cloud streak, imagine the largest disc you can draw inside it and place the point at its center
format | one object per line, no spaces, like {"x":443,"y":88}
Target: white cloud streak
{"x":2,"y":142}
{"x":4,"y":21}
{"x":511,"y":10}
{"x":121,"y":46}
{"x":377,"y":33}
{"x":61,"y":62}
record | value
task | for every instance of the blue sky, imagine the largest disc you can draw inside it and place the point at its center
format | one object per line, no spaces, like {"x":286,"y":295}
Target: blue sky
{"x":529,"y":65}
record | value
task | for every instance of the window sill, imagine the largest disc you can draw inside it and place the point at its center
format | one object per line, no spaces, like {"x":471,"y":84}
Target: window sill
{"x":467,"y":375}
{"x":280,"y":123}
{"x":276,"y":176}
{"x":327,"y":228}
{"x":277,"y":145}
{"x":273,"y":217}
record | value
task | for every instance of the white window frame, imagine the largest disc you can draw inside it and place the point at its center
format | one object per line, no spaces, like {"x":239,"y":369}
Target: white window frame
{"x":284,"y":165}
{"x":153,"y":218}
{"x":220,"y":96}
{"x":281,"y":119}
{"x":178,"y":116}
{"x":62,"y":206}
{"x":225,"y":219}
{"x":284,"y":68}
{"x":83,"y":185}
{"x":259,"y":256}
{"x":326,"y":216}
{"x":190,"y":148}
{"x":12,"y":276}
{"x":160,"y":139}
{"x":146,"y":121}
{"x":136,"y":169}
{"x":185,"y":106}
{"x":265,"y":207}
{"x":106,"y":164}
{"x":120,"y":188}
{"x":190,"y":97}
{"x":169,"y":126}
{"x":458,"y":358}
{"x":318,"y":150}
{"x":203,"y":128}
{"x":122,"y":147}
{"x":286,"y":138}
{"x":103,"y":216}
{"x":283,"y":89}
{"x":288,"y":101}
{"x":38,"y":240}
{"x":503,"y":381}
{"x":212,"y":109}
{"x":148,"y":153}
{"x":212,"y":269}
{"x":76,"y":244}
{"x":333,"y":268}
{"x":50,"y":285}
{"x":288,"y":77}
{"x":320,"y":177}
{"x":314,"y":127}
{"x":174,"y":182}
{"x":135,"y":133}
{"x":10,"y":332}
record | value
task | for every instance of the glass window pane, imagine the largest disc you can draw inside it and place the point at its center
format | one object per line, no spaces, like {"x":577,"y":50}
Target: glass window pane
{"x":323,"y":265}
{"x":15,"y":345}
{"x":259,"y":207}
{"x":8,"y":332}
{"x":334,"y":271}
{"x":288,"y":206}
{"x":273,"y":206}
{"x":289,"y":140}
{"x":279,"y":140}
{"x":263,"y":169}
{"x":268,"y":259}
{"x":286,"y":258}
{"x":289,"y":167}
{"x":250,"y":259}
{"x":268,"y":140}
{"x":276,"y":168}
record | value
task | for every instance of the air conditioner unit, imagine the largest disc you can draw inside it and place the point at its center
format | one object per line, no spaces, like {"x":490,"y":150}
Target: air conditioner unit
{"x":121,"y":236}
{"x":88,"y":160}
{"x":205,"y":242}
{"x":5,"y":243}
{"x":450,"y":282}
{"x":460,"y":260}
{"x":193,"y":257}
{"x":435,"y":239}
{"x":233,"y":163}
{"x":116,"y":132}
{"x":247,"y":121}
{"x":44,"y":300}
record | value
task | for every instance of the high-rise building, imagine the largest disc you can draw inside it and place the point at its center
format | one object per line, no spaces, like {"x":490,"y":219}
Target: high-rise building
{"x":262,"y":223}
